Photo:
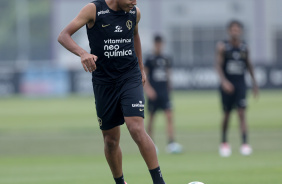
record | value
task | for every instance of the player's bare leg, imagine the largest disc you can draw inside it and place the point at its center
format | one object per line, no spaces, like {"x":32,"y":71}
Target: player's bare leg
{"x":245,"y":148}
{"x":146,"y":146}
{"x":112,"y":150}
{"x":170,"y":128}
{"x":224,"y":126}
{"x":150,"y":124}
{"x":172,"y":147}
{"x":225,"y":149}
{"x":243,"y":125}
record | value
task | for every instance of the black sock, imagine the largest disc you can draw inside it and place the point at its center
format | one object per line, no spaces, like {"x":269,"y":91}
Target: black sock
{"x":157,"y":176}
{"x":223,"y":137}
{"x":244,"y":138}
{"x":170,"y":141}
{"x":119,"y":180}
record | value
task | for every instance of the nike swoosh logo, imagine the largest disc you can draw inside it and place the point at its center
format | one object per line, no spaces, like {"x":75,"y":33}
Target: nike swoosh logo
{"x":141,"y":110}
{"x":105,"y":25}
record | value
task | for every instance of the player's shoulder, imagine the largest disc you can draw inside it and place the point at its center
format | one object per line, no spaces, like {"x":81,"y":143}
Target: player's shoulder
{"x":220,"y":45}
{"x":224,"y":45}
{"x":166,"y":57}
{"x":243,"y":45}
{"x":87,"y":11}
{"x":90,"y":6}
{"x":137,"y":9}
{"x":97,"y":3}
{"x":137,"y":13}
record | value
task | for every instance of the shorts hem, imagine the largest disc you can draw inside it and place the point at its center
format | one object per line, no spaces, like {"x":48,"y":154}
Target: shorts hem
{"x":142,"y":116}
{"x":111,"y":127}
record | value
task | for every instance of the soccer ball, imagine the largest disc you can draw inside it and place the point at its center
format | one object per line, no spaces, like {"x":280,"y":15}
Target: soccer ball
{"x":195,"y":182}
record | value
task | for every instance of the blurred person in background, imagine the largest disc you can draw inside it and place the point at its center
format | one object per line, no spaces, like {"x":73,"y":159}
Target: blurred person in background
{"x":232,"y":61}
{"x":158,"y":90}
{"x":118,"y":74}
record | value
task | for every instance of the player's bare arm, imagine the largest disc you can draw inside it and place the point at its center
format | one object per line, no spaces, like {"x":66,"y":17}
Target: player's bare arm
{"x":137,"y":46}
{"x":86,"y":16}
{"x":226,"y":85}
{"x":149,"y":90}
{"x":251,"y":70}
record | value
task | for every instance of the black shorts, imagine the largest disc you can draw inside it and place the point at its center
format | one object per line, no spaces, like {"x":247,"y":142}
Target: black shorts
{"x":162,"y":102}
{"x":236,"y":99}
{"x":114,"y":102}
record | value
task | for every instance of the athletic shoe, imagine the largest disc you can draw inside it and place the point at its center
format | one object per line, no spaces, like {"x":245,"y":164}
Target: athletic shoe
{"x":246,"y":150}
{"x":174,"y":148}
{"x":225,"y":150}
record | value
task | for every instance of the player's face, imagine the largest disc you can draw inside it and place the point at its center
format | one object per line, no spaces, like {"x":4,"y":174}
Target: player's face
{"x":158,"y":47}
{"x":235,"y":31}
{"x":127,"y":5}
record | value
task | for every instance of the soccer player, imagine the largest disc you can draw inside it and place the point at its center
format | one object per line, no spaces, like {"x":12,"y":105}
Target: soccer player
{"x":158,"y":88}
{"x":232,"y":61}
{"x":118,"y":74}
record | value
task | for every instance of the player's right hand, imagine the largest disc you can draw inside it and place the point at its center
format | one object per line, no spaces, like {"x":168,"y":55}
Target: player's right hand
{"x":227,"y":87}
{"x":255,"y":91}
{"x":88,"y":62}
{"x":151,"y":93}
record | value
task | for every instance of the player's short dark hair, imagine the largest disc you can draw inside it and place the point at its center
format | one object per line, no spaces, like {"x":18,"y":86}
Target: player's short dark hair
{"x":158,"y":38}
{"x":235,"y":22}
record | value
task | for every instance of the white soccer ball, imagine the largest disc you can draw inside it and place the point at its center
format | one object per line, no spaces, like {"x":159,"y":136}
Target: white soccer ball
{"x":195,"y":182}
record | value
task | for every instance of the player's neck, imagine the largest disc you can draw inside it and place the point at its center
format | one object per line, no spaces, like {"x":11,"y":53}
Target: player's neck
{"x":235,"y":41}
{"x":113,"y":5}
{"x":157,"y":53}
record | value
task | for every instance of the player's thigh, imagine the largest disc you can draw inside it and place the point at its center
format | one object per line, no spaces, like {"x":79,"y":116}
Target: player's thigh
{"x":132,"y":99}
{"x":227,"y":100}
{"x":108,"y":108}
{"x":135,"y":125}
{"x":241,"y":100}
{"x":134,"y":122}
{"x":152,"y":106}
{"x":164,"y":103}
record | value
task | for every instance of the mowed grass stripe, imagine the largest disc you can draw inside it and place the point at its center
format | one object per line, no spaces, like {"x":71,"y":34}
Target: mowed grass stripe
{"x":58,"y":141}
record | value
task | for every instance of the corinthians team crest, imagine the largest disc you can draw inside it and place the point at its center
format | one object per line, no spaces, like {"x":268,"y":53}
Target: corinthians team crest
{"x":100,"y":121}
{"x":129,"y":24}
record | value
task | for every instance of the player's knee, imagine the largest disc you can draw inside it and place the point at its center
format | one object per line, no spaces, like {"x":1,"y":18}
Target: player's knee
{"x":136,"y":128}
{"x":136,"y":133}
{"x":111,"y":143}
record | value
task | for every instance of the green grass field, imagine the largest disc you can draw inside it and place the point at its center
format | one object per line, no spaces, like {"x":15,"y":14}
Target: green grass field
{"x":57,"y":141}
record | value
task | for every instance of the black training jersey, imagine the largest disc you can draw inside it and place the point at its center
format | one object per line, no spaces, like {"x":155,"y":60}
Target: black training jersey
{"x":158,"y":66}
{"x":111,"y":39}
{"x":235,"y":59}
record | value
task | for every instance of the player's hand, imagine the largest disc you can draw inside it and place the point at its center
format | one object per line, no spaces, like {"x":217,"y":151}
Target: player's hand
{"x":144,"y":78}
{"x":255,"y":91}
{"x":88,"y":62}
{"x":227,"y":87}
{"x":151,"y":93}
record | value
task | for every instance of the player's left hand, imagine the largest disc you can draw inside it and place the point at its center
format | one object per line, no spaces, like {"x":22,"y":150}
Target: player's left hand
{"x":143,"y":78}
{"x":255,"y":91}
{"x":88,"y":62}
